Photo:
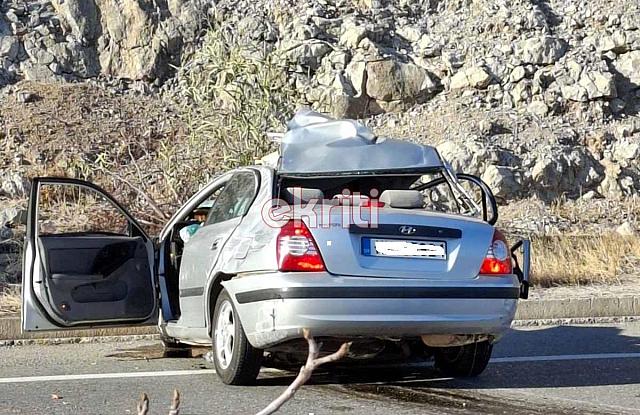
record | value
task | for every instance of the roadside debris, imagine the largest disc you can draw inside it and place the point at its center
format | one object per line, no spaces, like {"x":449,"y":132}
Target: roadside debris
{"x":312,"y":363}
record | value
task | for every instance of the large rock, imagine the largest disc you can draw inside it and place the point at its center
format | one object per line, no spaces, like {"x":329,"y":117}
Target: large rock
{"x":473,"y":77}
{"x":390,"y":80}
{"x":501,"y":181}
{"x":352,"y":36}
{"x":629,"y":66}
{"x":469,"y":157}
{"x":428,"y":47}
{"x":81,"y":16}
{"x":12,"y":216}
{"x":340,"y":100}
{"x":605,"y":42}
{"x":627,"y":150}
{"x":129,"y":46}
{"x":9,"y":47}
{"x":598,"y":84}
{"x":566,"y":171}
{"x":626,"y":229}
{"x":308,"y":55}
{"x":135,"y":39}
{"x":14,"y":186}
{"x":356,"y":73}
{"x":574,"y":92}
{"x":611,"y":186}
{"x":543,"y":50}
{"x":538,"y":108}
{"x":591,"y":85}
{"x":410,"y":33}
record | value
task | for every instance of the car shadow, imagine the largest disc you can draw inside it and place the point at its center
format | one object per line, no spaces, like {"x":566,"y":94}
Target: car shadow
{"x":551,"y":358}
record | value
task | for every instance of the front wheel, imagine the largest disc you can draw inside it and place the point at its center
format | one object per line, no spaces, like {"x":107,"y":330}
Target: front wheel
{"x":463,"y":361}
{"x":236,"y":361}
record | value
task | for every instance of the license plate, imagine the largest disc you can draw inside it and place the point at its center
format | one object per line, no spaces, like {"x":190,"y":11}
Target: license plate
{"x":404,"y":248}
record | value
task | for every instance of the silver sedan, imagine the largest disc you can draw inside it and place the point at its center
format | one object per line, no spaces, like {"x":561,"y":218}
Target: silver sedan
{"x":349,"y":235}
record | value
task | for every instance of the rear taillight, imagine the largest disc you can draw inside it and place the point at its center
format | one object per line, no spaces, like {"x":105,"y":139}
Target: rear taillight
{"x":498,"y":260}
{"x":296,"y":249}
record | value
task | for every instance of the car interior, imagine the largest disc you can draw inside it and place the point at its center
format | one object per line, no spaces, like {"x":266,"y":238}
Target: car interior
{"x":94,"y":262}
{"x":391,"y":191}
{"x":173,"y":254}
{"x":228,"y":201}
{"x":430,"y":191}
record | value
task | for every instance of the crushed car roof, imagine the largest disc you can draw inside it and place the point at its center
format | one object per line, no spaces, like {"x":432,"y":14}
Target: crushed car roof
{"x":316,"y":144}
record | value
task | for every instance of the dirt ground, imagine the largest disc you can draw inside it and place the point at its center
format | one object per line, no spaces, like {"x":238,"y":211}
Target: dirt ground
{"x":89,"y":132}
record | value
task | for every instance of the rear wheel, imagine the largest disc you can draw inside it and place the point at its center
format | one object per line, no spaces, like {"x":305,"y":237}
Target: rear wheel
{"x":236,"y":361}
{"x":463,"y":361}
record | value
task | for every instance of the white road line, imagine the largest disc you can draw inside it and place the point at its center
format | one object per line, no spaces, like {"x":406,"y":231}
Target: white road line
{"x":55,"y":378}
{"x":565,"y":357}
{"x":88,"y":376}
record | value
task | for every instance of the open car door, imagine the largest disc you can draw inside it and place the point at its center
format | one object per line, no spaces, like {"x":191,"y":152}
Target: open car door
{"x":87,"y":262}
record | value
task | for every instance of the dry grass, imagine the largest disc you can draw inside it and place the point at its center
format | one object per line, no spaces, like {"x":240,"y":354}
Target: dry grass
{"x":574,"y":241}
{"x":584,"y":259}
{"x":9,"y":301}
{"x":599,"y":211}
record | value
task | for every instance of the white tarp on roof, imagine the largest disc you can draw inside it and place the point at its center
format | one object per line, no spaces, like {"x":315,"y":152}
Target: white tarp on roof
{"x":315,"y":143}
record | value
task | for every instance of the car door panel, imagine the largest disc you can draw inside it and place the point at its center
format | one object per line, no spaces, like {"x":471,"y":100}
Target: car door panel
{"x":171,"y":248}
{"x":201,"y":254}
{"x":86,"y":271}
{"x":84,"y":279}
{"x":198,"y":261}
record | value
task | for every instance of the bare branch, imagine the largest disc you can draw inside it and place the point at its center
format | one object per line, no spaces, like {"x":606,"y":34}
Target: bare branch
{"x":134,"y":161}
{"x":175,"y":403}
{"x":138,"y":190}
{"x":312,"y":363}
{"x":305,"y":372}
{"x":143,"y":405}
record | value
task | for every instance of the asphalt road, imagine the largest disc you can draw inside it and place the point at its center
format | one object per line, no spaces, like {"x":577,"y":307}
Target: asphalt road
{"x":550,"y":370}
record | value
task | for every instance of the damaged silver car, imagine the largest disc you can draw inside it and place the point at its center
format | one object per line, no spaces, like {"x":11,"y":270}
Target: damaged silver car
{"x":347,"y":234}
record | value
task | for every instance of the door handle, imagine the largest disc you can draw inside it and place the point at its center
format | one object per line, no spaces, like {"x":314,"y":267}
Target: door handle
{"x":215,"y":244}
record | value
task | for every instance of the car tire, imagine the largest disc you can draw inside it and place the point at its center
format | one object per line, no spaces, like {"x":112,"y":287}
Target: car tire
{"x":235,"y":360}
{"x":463,"y":361}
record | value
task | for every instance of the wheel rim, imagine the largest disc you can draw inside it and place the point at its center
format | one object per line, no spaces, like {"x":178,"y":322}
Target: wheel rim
{"x":225,"y":334}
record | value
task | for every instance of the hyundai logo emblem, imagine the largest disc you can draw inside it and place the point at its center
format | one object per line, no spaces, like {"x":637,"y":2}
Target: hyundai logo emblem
{"x":407,"y":230}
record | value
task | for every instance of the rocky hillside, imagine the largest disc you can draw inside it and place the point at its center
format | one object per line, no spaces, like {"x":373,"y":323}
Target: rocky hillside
{"x":539,"y":97}
{"x":555,"y":83}
{"x":61,"y":40}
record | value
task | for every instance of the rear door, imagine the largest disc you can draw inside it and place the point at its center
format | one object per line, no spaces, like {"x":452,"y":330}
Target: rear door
{"x":202,"y":252}
{"x":87,"y":262}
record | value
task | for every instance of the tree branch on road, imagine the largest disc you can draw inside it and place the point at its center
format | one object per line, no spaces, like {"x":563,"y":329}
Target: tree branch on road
{"x":312,"y":363}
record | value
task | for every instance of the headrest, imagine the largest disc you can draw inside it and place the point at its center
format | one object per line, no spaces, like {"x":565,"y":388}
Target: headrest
{"x":403,"y":199}
{"x":298,"y":195}
{"x":350,"y":200}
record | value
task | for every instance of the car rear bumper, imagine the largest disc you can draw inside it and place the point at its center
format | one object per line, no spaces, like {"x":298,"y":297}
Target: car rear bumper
{"x":275,"y":307}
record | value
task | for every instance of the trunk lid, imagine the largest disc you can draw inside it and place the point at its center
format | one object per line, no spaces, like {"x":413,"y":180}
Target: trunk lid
{"x":352,"y":250}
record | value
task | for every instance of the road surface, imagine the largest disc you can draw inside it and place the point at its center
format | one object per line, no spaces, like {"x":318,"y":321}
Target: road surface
{"x":543,"y":370}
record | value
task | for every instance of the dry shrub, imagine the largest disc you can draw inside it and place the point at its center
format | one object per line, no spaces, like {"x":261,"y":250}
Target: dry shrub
{"x":584,"y":259}
{"x":9,"y":300}
{"x":231,"y":95}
